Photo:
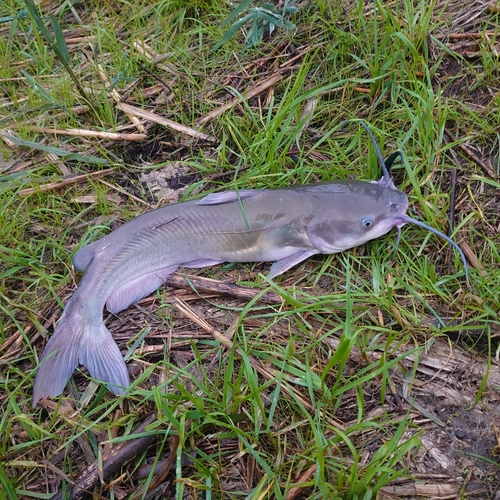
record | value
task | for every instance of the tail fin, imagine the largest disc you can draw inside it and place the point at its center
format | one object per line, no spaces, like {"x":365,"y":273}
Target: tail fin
{"x":77,"y":341}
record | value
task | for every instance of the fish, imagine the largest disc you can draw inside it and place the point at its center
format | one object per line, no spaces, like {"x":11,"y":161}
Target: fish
{"x":284,"y":226}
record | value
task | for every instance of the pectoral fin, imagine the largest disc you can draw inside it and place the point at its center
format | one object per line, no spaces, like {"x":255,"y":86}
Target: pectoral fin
{"x":228,"y":197}
{"x":135,"y":290}
{"x":280,"y":266}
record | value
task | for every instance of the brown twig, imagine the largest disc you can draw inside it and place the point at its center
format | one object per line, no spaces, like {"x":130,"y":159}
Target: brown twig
{"x":485,"y":168}
{"x":160,"y":474}
{"x":207,"y":285}
{"x":252,"y":92}
{"x":148,"y":115}
{"x":464,"y":36}
{"x":294,"y":492}
{"x":112,"y":461}
{"x":362,"y":90}
{"x":74,"y":179}
{"x":471,"y":256}
{"x":92,"y":133}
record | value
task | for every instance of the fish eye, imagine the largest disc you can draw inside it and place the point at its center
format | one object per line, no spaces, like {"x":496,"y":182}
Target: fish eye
{"x":366,"y":221}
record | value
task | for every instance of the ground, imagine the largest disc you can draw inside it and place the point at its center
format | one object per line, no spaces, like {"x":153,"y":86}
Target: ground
{"x":368,"y":374}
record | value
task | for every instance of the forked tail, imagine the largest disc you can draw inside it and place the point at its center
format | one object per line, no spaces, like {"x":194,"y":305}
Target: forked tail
{"x":79,"y":339}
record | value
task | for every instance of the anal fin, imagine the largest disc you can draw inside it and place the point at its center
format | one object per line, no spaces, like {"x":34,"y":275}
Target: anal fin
{"x":137,"y":289}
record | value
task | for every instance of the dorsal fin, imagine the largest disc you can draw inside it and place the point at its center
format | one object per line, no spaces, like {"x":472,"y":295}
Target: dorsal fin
{"x":228,"y":197}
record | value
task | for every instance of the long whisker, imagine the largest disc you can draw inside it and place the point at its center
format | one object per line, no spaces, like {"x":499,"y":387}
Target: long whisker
{"x":407,"y":219}
{"x":386,"y":178}
{"x":392,"y":158}
{"x":387,"y":182}
{"x":381,"y":161}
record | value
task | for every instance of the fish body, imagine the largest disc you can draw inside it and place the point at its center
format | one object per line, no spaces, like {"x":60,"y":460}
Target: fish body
{"x":284,"y":226}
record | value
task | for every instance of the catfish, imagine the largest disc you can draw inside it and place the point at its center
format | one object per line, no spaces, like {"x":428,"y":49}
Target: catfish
{"x":283,"y":226}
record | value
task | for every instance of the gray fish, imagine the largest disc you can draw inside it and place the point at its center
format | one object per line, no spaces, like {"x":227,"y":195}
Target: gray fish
{"x":284,"y":226}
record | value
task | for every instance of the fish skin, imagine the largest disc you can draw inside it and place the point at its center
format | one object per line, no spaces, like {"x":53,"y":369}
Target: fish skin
{"x":283,"y":225}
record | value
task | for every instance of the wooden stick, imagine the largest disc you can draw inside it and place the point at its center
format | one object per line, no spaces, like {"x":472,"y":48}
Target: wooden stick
{"x":161,"y":474}
{"x":464,"y":36}
{"x":148,"y":115}
{"x":471,"y":256}
{"x":486,"y":168}
{"x":252,"y":92}
{"x":112,"y":461}
{"x":304,"y":478}
{"x":207,"y":285}
{"x":362,"y":90}
{"x":74,"y":179}
{"x":115,"y":136}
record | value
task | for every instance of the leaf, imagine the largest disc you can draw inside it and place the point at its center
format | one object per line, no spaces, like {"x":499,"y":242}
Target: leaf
{"x":40,"y":90}
{"x":7,"y":486}
{"x":38,"y":21}
{"x":265,"y":19}
{"x":273,"y":18}
{"x":285,"y":24}
{"x":62,"y":153}
{"x":255,"y":33}
{"x":269,"y":6}
{"x":60,"y":43}
{"x":232,"y":31}
{"x":236,"y":12}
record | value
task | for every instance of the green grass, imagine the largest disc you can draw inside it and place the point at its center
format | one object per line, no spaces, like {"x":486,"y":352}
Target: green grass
{"x":321,"y":383}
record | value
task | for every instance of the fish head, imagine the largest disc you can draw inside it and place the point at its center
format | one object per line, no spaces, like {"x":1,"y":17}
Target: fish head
{"x":397,"y":204}
{"x":361,"y":212}
{"x":364,"y":211}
